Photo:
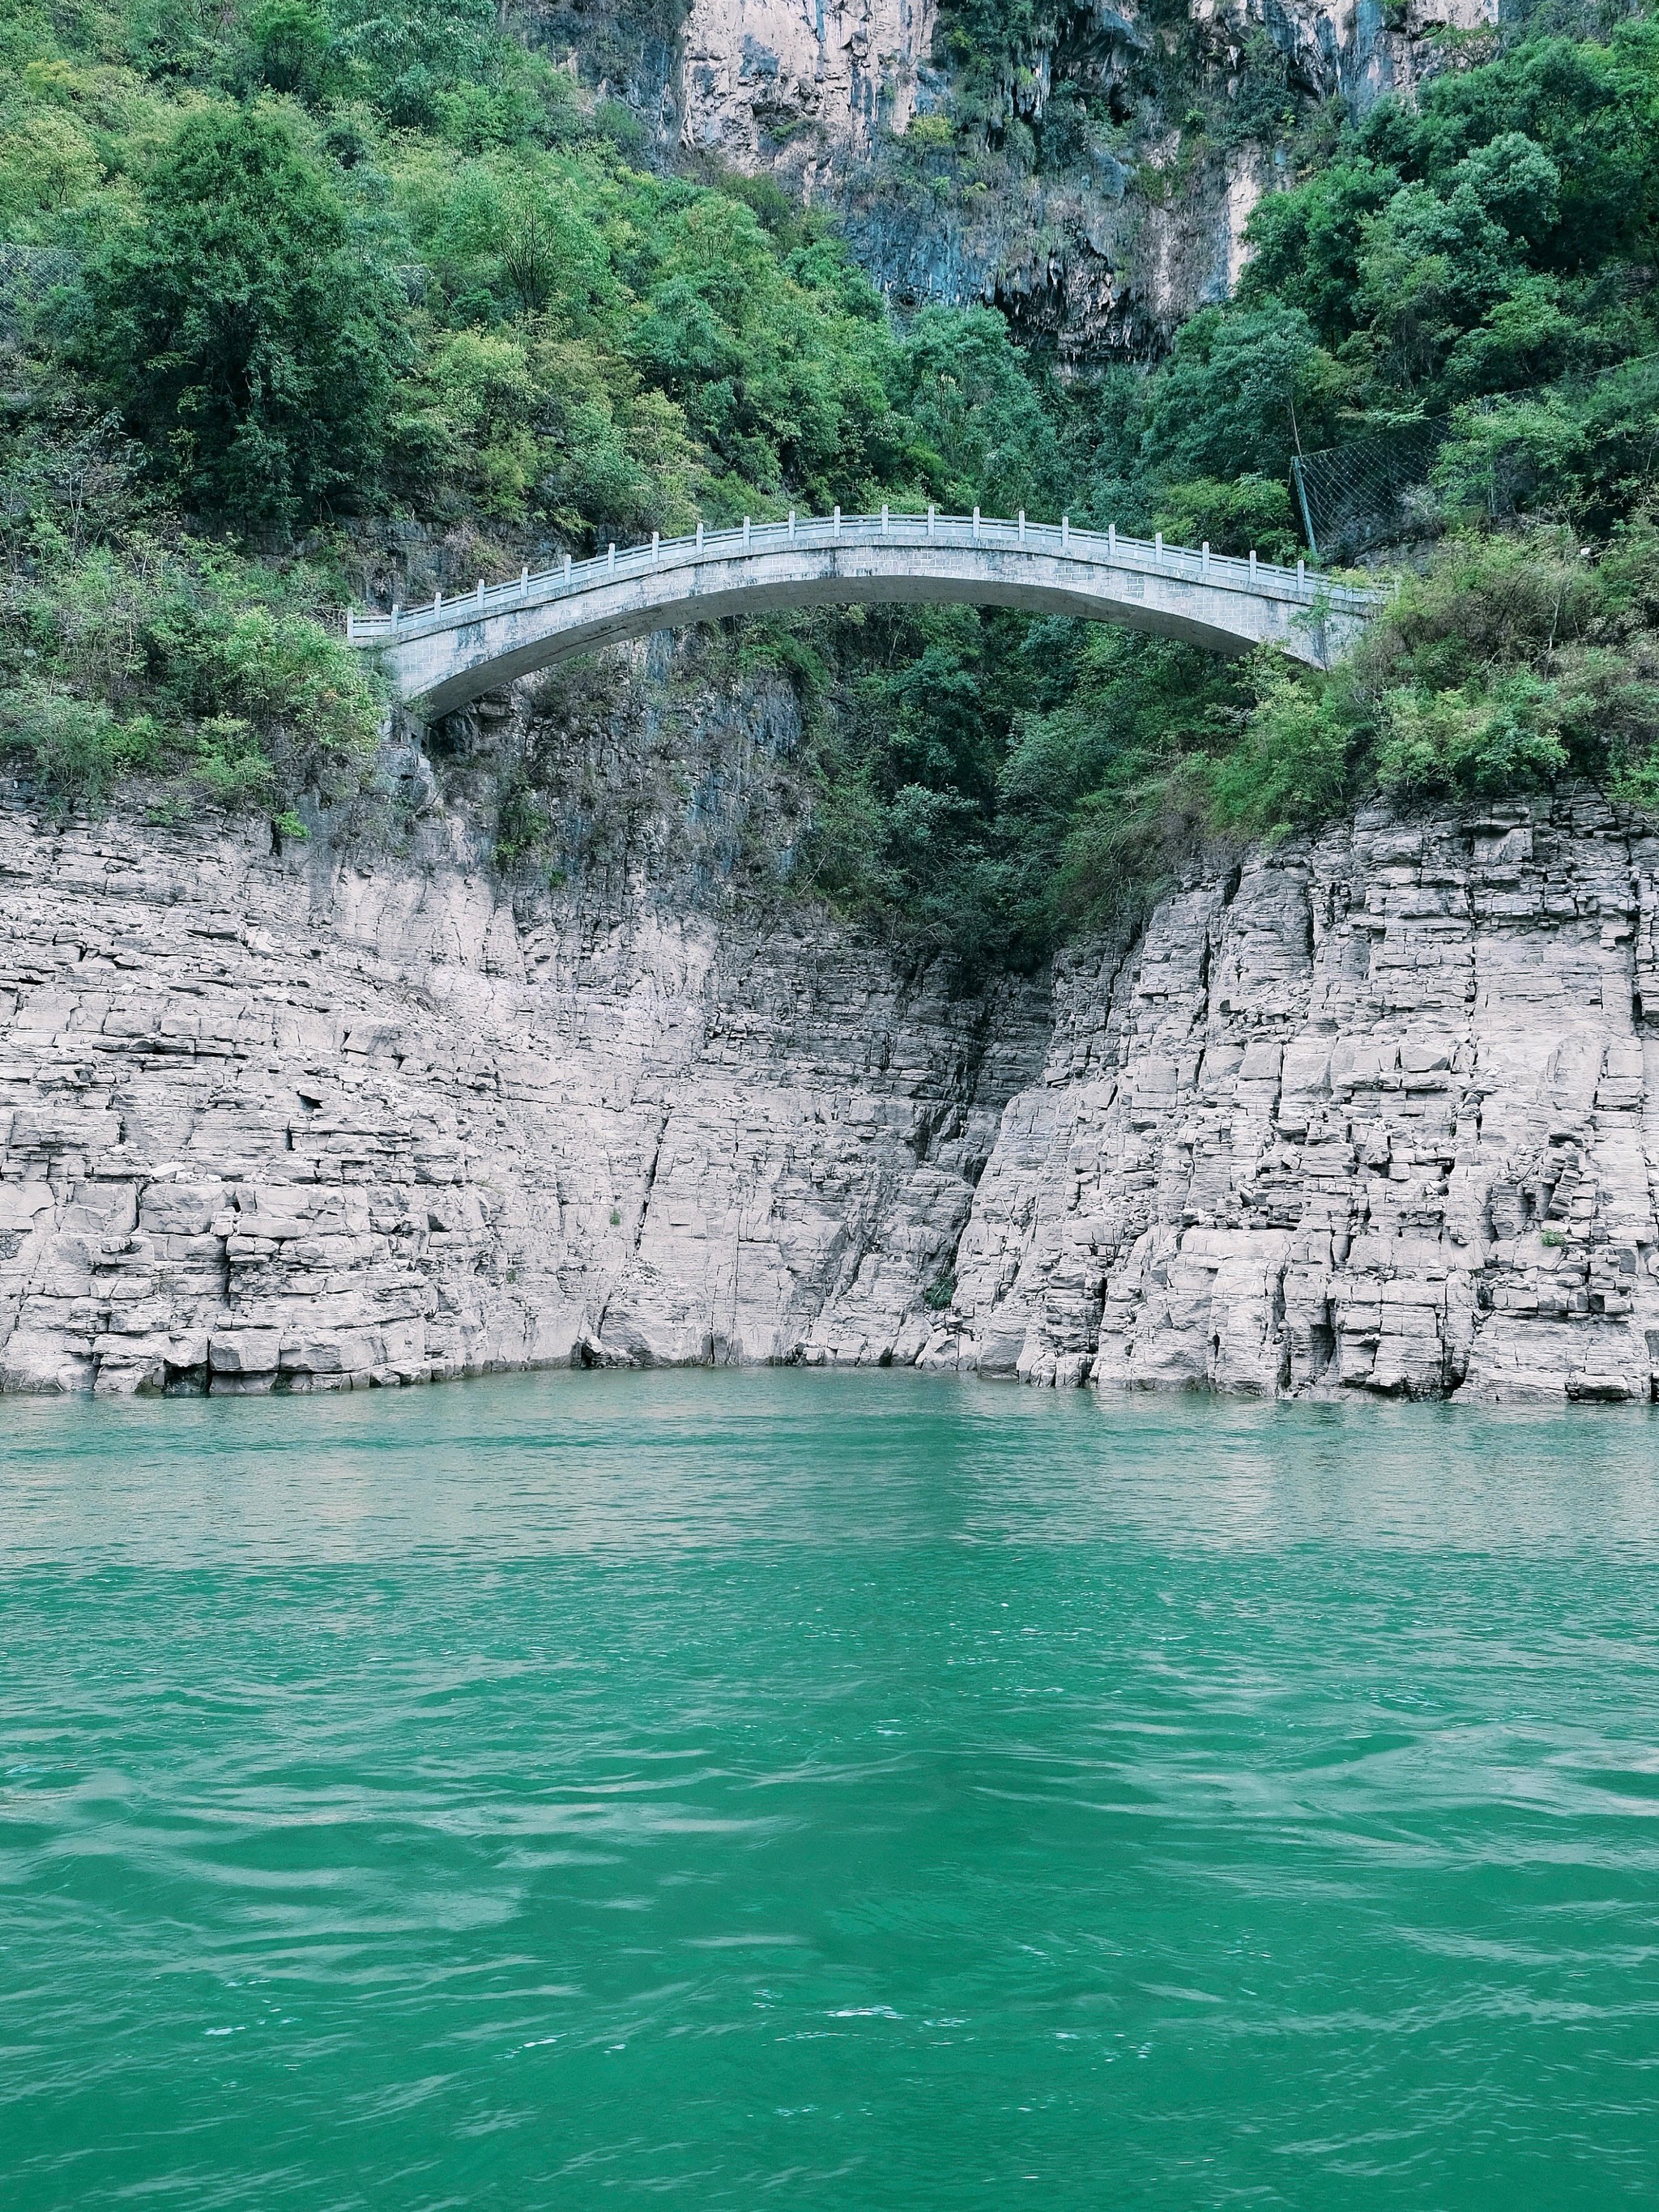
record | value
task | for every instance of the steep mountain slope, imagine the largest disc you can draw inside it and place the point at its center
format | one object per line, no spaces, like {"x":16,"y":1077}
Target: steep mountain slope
{"x":1040,"y":180}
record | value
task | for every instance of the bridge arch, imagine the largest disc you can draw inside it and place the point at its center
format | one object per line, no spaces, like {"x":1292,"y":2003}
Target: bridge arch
{"x":440,"y":656}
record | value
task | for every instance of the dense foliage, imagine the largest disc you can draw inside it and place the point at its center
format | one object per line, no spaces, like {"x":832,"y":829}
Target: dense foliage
{"x":271,"y":271}
{"x":274,"y":269}
{"x":233,"y":325}
{"x":1488,"y":256}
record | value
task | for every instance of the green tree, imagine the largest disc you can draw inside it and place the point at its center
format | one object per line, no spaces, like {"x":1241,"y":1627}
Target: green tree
{"x":289,"y":44}
{"x":1587,"y":451}
{"x":983,"y":435}
{"x":506,"y":235}
{"x":1501,"y":232}
{"x":1237,"y":390}
{"x":1307,"y":245}
{"x":243,"y":339}
{"x":1251,"y":513}
{"x":781,"y":366}
{"x":48,"y":162}
{"x":408,"y":54}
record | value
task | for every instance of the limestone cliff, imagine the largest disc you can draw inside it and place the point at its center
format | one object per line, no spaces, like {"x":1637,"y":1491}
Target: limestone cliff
{"x":1094,"y":216}
{"x":1378,"y":1113}
{"x":1374,"y":1115}
{"x":760,"y":74}
{"x":267,"y":1121}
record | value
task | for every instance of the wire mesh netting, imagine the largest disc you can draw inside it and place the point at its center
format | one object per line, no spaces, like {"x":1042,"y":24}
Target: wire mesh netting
{"x":1378,"y":491}
{"x":1371,"y":492}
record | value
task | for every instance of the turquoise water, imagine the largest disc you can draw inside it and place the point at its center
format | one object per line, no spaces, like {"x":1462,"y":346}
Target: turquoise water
{"x":816,"y":1790}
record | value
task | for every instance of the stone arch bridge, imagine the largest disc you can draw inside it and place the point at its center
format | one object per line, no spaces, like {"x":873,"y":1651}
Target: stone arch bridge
{"x":440,"y":655}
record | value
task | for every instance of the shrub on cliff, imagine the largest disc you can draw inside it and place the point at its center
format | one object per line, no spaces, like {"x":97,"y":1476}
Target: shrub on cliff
{"x":1512,"y":660}
{"x":232,"y":323}
{"x":1248,"y":514}
{"x":205,"y":675}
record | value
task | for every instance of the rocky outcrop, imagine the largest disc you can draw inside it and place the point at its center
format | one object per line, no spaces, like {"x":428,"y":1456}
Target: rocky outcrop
{"x":274,"y":1120}
{"x":1364,"y":50}
{"x":1374,"y":1115}
{"x":1126,"y":224}
{"x":757,"y":75}
{"x":1098,"y":241}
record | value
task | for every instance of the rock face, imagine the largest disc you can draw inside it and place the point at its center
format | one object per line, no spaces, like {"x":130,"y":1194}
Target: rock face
{"x":1376,"y":1114}
{"x":269,"y":1121}
{"x":1094,"y":254}
{"x":1125,"y":225}
{"x":755,"y":73}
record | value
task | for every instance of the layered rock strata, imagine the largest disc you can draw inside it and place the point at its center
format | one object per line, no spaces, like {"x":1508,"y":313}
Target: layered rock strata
{"x":273,"y":1120}
{"x":1378,"y":1114}
{"x":1375,"y":1114}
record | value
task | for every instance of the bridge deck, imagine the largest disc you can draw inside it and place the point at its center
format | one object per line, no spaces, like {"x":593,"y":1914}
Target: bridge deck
{"x":441,"y":653}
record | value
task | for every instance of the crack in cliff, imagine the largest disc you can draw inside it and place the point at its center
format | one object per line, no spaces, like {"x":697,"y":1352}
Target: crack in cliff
{"x":651,"y":1177}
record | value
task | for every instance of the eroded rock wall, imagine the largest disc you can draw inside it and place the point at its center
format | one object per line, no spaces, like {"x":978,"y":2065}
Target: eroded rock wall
{"x":1379,"y":1115}
{"x":275,"y":1120}
{"x":1106,"y":251}
{"x":1374,"y":1115}
{"x":1103,"y":249}
{"x":757,"y":74}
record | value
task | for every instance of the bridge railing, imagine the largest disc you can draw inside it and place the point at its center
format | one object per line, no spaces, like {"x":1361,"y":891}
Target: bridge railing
{"x":1108,"y":549}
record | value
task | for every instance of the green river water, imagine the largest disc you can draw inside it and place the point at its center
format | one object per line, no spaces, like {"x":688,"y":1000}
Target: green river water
{"x":797,"y":1791}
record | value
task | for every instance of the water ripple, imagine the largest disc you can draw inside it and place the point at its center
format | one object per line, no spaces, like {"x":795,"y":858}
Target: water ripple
{"x":827,"y":1791}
